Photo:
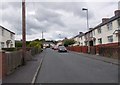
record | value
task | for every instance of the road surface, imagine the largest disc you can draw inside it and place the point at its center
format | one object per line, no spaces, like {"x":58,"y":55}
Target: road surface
{"x":75,"y":68}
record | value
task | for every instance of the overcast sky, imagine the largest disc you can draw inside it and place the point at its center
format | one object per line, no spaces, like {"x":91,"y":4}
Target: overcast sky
{"x":56,"y":19}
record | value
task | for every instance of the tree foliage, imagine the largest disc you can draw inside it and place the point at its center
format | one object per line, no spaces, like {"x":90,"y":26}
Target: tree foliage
{"x":18,"y":44}
{"x":68,"y":42}
{"x":36,"y":44}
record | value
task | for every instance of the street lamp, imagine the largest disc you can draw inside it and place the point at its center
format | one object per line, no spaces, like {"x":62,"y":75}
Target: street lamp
{"x":43,"y":34}
{"x":84,"y":9}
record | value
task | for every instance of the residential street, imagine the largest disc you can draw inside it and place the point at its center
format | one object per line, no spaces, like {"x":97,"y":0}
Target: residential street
{"x":75,"y":68}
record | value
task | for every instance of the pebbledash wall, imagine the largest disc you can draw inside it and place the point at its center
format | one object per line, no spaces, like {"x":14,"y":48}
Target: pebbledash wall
{"x":104,"y":33}
{"x":6,"y":36}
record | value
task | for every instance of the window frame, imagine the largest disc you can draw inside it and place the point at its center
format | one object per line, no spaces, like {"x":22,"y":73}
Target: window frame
{"x":109,"y":26}
{"x":99,"y":30}
{"x":110,"y":38}
{"x":100,"y":42}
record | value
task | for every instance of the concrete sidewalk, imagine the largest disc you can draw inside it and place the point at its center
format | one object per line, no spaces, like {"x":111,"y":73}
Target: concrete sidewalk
{"x":0,"y":81}
{"x":101,"y":58}
{"x":25,"y":74}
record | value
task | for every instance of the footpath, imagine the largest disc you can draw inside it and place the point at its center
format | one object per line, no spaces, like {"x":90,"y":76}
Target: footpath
{"x":26,"y":73}
{"x":101,"y":58}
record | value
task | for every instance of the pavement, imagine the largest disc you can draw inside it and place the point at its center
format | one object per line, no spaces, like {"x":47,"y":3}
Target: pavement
{"x":25,"y":74}
{"x":0,"y":81}
{"x":75,"y":68}
{"x":101,"y":58}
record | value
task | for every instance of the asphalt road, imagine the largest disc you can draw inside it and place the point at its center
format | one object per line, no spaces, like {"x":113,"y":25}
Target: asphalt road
{"x":75,"y":68}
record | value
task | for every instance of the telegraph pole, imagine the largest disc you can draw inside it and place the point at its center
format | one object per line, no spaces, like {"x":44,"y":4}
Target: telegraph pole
{"x":23,"y":31}
{"x":42,"y":34}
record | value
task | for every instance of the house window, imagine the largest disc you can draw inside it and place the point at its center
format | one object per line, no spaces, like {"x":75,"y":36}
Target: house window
{"x":119,"y":22}
{"x":85,"y":43}
{"x":81,"y":44}
{"x":81,"y":38}
{"x":109,"y":26}
{"x":11,"y":36}
{"x":110,"y":38}
{"x":2,"y":44}
{"x":2,"y":32}
{"x":99,"y":30}
{"x":100,"y":40}
{"x":93,"y":32}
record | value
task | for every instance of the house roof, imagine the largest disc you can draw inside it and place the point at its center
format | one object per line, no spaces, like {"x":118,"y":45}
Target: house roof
{"x":79,"y":35}
{"x":6,"y":29}
{"x":104,"y":23}
{"x":108,"y":21}
{"x":101,"y":24}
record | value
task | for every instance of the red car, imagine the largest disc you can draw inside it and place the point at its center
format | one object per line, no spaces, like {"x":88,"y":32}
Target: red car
{"x":56,"y":48}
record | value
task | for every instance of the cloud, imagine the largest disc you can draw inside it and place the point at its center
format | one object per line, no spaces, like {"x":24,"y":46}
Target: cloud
{"x":56,"y":19}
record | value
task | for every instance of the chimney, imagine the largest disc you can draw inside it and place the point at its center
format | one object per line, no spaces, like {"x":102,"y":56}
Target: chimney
{"x":117,"y":12}
{"x":104,"y":20}
{"x":90,"y":28}
{"x":80,"y":33}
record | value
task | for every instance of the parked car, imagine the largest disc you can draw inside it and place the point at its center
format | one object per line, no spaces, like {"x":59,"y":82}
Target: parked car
{"x":55,"y":47}
{"x":62,"y":49}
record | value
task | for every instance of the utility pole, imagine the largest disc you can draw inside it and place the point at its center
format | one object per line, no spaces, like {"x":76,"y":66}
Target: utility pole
{"x":42,"y":34}
{"x":23,"y":32}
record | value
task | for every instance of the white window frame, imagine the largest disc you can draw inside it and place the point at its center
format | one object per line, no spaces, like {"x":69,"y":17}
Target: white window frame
{"x":110,"y":38}
{"x":2,"y":32}
{"x":100,"y":42}
{"x":109,"y":26}
{"x":99,"y":30}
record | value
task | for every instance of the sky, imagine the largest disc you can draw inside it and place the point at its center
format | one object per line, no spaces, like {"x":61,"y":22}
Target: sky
{"x":56,"y":19}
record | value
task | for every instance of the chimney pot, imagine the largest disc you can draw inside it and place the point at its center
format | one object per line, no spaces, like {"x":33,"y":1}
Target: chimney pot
{"x":117,"y":12}
{"x":104,"y":20}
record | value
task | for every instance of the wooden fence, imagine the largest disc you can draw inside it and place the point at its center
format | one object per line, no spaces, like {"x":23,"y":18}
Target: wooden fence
{"x":11,"y":60}
{"x":107,"y":51}
{"x":111,"y":52}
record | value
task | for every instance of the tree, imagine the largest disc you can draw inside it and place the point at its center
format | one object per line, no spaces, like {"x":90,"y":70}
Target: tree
{"x":18,"y":44}
{"x":68,"y":42}
{"x":36,"y":44}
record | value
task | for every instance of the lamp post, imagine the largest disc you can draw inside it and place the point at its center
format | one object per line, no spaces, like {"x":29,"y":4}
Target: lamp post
{"x":84,"y":9}
{"x":23,"y":32}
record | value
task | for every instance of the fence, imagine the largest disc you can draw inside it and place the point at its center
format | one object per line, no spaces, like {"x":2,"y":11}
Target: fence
{"x":93,"y":50}
{"x":83,"y":49}
{"x":111,"y":52}
{"x":13,"y":60}
{"x":9,"y":61}
{"x":103,"y":50}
